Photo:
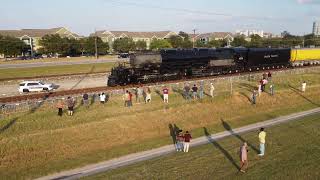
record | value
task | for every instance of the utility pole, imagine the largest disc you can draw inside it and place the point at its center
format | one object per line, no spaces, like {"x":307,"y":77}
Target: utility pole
{"x":194,"y":36}
{"x":95,"y":43}
{"x":31,"y":47}
{"x":303,"y":40}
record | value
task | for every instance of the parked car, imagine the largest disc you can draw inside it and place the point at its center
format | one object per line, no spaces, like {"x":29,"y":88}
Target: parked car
{"x":123,"y":55}
{"x":34,"y":86}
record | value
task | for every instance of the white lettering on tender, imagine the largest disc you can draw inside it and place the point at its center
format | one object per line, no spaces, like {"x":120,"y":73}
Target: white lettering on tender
{"x":271,"y":56}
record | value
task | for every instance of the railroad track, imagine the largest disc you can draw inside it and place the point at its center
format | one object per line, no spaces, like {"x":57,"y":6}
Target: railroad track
{"x":46,"y":95}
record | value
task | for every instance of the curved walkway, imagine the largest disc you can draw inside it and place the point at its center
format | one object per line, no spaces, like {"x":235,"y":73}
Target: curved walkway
{"x":145,"y":155}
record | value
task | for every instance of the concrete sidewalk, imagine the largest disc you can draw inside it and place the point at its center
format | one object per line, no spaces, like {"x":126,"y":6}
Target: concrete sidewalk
{"x":145,"y":155}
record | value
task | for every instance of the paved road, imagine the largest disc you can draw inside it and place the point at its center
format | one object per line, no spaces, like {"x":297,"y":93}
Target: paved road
{"x":59,"y":63}
{"x":141,"y":156}
{"x":72,"y":82}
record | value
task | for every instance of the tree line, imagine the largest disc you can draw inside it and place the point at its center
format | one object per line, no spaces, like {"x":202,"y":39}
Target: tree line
{"x":57,"y":45}
{"x":287,"y":41}
{"x":11,"y":46}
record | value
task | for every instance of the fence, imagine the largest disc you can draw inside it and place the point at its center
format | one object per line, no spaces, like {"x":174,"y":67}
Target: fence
{"x":223,"y":85}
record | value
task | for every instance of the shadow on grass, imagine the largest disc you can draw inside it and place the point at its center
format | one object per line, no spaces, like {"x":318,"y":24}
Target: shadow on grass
{"x":248,"y":86}
{"x":246,"y":96}
{"x":297,"y":91}
{"x":45,"y":97}
{"x":220,"y":148}
{"x":7,"y":126}
{"x":179,"y":91}
{"x":32,"y":110}
{"x":228,"y":128}
{"x":174,"y":131}
{"x":159,"y":93}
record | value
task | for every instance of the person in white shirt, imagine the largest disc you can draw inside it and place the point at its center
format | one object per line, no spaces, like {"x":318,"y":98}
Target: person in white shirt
{"x":102,"y":98}
{"x":304,"y":85}
{"x":211,"y":90}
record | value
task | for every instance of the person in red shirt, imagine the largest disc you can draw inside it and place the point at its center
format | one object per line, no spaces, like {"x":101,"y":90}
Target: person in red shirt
{"x":187,"y":139}
{"x":180,"y":139}
{"x":165,"y":92}
{"x":130,"y":99}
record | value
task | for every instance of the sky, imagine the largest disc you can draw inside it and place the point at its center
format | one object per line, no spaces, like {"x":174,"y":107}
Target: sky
{"x":85,"y":16}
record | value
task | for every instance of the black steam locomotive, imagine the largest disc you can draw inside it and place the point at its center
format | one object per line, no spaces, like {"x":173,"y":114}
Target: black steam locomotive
{"x":171,"y":64}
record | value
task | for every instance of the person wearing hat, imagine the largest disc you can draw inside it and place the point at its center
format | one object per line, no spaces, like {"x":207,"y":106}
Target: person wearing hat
{"x":211,"y":89}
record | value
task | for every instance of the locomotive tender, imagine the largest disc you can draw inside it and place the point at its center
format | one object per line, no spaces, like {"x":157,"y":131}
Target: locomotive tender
{"x":198,"y":62}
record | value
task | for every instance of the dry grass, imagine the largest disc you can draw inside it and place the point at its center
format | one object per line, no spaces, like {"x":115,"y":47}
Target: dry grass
{"x":40,"y":143}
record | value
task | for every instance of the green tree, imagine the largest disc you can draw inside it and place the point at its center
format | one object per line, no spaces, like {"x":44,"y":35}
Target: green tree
{"x":176,"y":41}
{"x":272,"y":42}
{"x":90,"y":46}
{"x":157,"y":44}
{"x":52,"y":44}
{"x":124,"y":45}
{"x":239,"y":41}
{"x":311,"y":40}
{"x":11,"y":46}
{"x":186,"y":43}
{"x":141,"y":45}
{"x":215,"y":43}
{"x":200,"y":44}
{"x":184,"y":35}
{"x":73,"y":47}
{"x":256,"y":41}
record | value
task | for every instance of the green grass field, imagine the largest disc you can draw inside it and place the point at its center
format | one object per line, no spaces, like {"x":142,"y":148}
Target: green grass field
{"x":292,"y":152}
{"x":3,"y":61}
{"x":39,"y":142}
{"x":55,"y":70}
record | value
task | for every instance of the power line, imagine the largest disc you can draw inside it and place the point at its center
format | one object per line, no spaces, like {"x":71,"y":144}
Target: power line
{"x":182,"y":10}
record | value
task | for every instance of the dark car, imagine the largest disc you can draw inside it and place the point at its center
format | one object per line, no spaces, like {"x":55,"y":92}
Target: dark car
{"x":123,"y":55}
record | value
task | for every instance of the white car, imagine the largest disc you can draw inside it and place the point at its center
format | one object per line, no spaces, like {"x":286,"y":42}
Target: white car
{"x":32,"y":86}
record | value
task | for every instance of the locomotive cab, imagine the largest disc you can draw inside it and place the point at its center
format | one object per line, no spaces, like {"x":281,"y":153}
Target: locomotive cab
{"x":120,"y":76}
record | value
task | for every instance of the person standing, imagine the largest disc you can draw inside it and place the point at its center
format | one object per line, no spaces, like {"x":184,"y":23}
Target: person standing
{"x":244,"y":157}
{"x":201,"y":89}
{"x":102,"y":98}
{"x":148,"y":95}
{"x":85,"y":100}
{"x":126,"y":98}
{"x":254,"y":96}
{"x":303,"y":86}
{"x":261,"y":86}
{"x":187,"y":138}
{"x":139,"y":94}
{"x":211,"y":90}
{"x":269,"y":76}
{"x":262,"y":140}
{"x":259,"y":89}
{"x":165,"y":92}
{"x":187,"y":92}
{"x":195,"y":91}
{"x":271,"y":89}
{"x":60,"y":106}
{"x":180,"y":139}
{"x":130,"y":99}
{"x":70,"y":104}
